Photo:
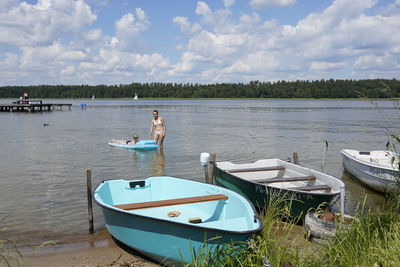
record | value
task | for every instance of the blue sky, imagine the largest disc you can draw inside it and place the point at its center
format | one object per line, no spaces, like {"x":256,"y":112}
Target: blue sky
{"x":120,"y":42}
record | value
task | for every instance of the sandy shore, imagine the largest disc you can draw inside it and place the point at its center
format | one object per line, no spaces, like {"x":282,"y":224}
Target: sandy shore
{"x":96,"y":252}
{"x":106,"y":256}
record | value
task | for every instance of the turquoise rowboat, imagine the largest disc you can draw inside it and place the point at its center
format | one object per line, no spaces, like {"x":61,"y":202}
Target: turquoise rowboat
{"x":141,"y":145}
{"x":302,"y":188}
{"x":171,"y":219}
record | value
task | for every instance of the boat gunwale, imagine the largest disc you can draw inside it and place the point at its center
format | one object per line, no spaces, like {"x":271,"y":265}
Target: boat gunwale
{"x":366,"y":163}
{"x":277,"y":188}
{"x":196,"y":226}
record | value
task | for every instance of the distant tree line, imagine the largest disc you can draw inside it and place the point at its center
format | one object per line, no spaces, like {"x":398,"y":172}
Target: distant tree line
{"x":371,"y":88}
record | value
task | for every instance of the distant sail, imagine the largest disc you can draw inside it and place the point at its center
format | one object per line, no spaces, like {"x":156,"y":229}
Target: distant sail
{"x":93,"y":97}
{"x":136,"y":97}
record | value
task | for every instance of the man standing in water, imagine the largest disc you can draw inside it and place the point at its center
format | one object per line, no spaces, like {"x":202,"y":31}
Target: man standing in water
{"x":158,"y":128}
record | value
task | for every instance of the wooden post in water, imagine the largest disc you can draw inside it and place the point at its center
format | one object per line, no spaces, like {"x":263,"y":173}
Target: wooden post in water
{"x":295,"y":157}
{"x":89,"y":198}
{"x":210,"y":167}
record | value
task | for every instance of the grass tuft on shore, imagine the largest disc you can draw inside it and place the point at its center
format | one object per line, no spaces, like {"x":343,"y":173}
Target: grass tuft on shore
{"x":274,"y":246}
{"x":373,"y":239}
{"x":9,"y":252}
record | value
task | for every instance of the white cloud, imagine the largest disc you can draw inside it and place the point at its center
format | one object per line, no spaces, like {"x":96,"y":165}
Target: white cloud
{"x":68,"y":71}
{"x":261,"y":4}
{"x":377,"y":62}
{"x":325,"y":66}
{"x":185,"y":25}
{"x":256,"y":62}
{"x":228,"y":3}
{"x":329,"y":41}
{"x":43,"y":58}
{"x":128,"y":29}
{"x":44,"y":22}
{"x":53,"y":41}
{"x":202,"y":9}
{"x":10,"y":61}
{"x":92,"y":35}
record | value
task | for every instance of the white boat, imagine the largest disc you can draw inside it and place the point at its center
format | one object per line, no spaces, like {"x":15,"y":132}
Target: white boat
{"x":93,"y":97}
{"x":377,"y":169}
{"x":136,"y":97}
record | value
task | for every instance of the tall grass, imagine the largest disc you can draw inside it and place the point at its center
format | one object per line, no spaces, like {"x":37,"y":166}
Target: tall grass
{"x":9,"y":253}
{"x":269,"y":248}
{"x":373,"y":239}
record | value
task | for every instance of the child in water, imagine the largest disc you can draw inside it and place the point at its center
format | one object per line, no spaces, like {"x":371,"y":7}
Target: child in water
{"x":128,"y":142}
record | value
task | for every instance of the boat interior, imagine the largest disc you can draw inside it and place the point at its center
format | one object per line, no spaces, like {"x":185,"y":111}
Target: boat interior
{"x":278,"y":175}
{"x":178,"y":201}
{"x":381,"y":157}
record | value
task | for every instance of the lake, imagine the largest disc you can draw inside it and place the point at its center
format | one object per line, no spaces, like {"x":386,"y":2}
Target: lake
{"x":43,"y":168}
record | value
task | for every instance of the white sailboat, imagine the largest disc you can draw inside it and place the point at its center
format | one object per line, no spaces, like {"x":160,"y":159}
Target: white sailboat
{"x":136,"y":97}
{"x":93,"y":97}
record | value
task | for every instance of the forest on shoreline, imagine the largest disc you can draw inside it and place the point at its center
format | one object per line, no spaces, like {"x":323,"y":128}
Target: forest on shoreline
{"x":370,"y":88}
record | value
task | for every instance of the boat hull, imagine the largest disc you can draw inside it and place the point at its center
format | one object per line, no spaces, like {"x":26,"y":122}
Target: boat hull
{"x":174,"y":240}
{"x":259,"y":195}
{"x":379,"y":179}
{"x":165,"y":242}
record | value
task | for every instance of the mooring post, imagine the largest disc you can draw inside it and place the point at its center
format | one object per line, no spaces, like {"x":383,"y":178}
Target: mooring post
{"x":210,"y":168}
{"x":295,"y":157}
{"x":342,"y":198}
{"x":89,"y":198}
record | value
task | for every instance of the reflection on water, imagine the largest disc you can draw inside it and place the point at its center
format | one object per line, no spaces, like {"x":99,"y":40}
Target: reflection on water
{"x":158,"y":166}
{"x":360,"y":195}
{"x":42,"y":169}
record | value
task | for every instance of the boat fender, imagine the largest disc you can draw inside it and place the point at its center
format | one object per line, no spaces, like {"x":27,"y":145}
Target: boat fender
{"x":204,"y":158}
{"x":137,"y":183}
{"x":195,"y":220}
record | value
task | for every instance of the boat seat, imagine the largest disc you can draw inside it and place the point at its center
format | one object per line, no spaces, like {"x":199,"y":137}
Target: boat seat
{"x":259,"y":169}
{"x":312,"y":188}
{"x":170,"y":202}
{"x":286,"y":179}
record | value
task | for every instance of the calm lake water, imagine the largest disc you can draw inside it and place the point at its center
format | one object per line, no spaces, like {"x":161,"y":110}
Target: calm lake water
{"x":43,"y":169}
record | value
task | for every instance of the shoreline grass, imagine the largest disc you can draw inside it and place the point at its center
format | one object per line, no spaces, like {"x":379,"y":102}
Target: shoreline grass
{"x":373,"y":239}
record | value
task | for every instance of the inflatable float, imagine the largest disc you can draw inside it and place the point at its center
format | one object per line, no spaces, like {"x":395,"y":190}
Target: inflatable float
{"x":141,"y":145}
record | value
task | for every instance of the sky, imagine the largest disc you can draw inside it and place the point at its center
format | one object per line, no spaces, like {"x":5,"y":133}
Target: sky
{"x":184,"y":41}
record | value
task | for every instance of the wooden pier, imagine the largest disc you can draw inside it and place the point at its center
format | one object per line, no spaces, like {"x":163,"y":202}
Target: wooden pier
{"x":31,"y":106}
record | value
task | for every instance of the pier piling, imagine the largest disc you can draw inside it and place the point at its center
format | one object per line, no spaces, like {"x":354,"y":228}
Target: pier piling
{"x":89,"y":198}
{"x":210,"y":168}
{"x":295,"y":157}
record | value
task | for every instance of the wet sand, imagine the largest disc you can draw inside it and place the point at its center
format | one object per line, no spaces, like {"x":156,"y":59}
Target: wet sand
{"x":94,"y":256}
{"x":102,"y":250}
{"x":99,"y":250}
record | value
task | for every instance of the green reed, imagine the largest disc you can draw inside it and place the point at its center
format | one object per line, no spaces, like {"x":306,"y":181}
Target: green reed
{"x":373,"y":239}
{"x":272,"y":247}
{"x":9,"y":252}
